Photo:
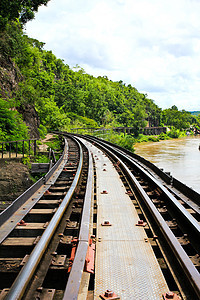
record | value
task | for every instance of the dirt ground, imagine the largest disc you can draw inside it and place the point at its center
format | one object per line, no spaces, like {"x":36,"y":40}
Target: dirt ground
{"x":43,"y":147}
{"x":14,"y":179}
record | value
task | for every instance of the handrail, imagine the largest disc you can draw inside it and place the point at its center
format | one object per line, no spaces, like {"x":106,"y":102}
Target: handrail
{"x":6,"y":142}
{"x":16,"y":148}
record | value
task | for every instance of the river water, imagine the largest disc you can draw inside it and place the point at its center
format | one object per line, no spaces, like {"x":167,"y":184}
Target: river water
{"x":180,"y":157}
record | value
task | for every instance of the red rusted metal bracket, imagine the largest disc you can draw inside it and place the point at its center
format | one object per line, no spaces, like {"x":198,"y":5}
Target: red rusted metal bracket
{"x":73,"y":252}
{"x":22,"y":223}
{"x":141,"y":223}
{"x":106,"y":223}
{"x":109,"y":295}
{"x":129,"y":193}
{"x":89,"y":260}
{"x":170,"y":295}
{"x":47,"y":193}
{"x":104,"y":192}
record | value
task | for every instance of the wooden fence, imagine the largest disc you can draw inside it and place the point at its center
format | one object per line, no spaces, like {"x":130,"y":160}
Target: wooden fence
{"x":21,"y":147}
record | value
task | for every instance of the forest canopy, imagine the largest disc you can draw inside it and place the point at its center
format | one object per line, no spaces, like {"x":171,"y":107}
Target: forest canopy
{"x":67,"y":97}
{"x":61,"y":94}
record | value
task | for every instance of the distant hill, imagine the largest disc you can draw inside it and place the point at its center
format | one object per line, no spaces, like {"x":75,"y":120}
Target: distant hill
{"x":195,"y":113}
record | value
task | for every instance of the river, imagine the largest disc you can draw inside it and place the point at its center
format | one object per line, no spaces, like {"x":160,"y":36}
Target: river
{"x":180,"y":157}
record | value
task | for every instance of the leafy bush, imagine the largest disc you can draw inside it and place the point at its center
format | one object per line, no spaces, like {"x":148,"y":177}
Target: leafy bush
{"x":153,"y":139}
{"x":126,"y":141}
{"x":142,"y":138}
{"x":41,"y":159}
{"x":12,"y":128}
{"x":26,"y":161}
{"x":174,"y":133}
{"x":42,"y":131}
{"x":55,"y":144}
{"x":80,"y":121}
{"x":163,"y":136}
{"x":52,"y":117}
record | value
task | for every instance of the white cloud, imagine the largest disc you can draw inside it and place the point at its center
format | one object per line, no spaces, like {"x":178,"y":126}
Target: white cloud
{"x":153,"y":45}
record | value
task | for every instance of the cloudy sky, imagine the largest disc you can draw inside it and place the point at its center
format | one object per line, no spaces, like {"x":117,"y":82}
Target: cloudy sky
{"x":154,"y":45}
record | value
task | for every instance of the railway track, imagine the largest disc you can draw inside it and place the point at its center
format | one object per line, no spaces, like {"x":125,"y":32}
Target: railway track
{"x":173,"y":219}
{"x":48,"y":239}
{"x":39,"y":238}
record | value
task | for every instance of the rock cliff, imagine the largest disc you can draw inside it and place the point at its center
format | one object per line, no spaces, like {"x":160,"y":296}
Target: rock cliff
{"x":10,"y":77}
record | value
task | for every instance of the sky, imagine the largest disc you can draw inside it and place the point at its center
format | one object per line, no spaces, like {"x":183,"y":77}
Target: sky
{"x":154,"y":45}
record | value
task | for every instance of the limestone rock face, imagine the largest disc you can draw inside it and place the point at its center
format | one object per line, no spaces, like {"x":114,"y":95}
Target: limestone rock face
{"x":31,"y":119}
{"x":10,"y":77}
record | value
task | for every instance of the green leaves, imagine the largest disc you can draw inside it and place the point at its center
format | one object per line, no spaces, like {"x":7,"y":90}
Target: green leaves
{"x":52,"y":117}
{"x":11,"y":125}
{"x":67,"y":97}
{"x":24,"y":10}
{"x":175,"y":118}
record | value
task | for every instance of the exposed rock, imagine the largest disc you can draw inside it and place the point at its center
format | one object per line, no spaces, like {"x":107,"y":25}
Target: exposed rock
{"x":10,"y":76}
{"x":31,"y":119}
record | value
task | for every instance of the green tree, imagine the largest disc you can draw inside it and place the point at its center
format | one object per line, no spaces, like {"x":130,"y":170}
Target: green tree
{"x":51,"y":116}
{"x":11,"y":10}
{"x":177,"y":119}
{"x":64,"y":96}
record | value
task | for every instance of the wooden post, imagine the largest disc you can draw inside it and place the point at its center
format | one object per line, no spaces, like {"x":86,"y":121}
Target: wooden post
{"x":49,"y":153}
{"x":54,"y":157}
{"x":29,"y":147}
{"x":9,"y":150}
{"x":23,"y":148}
{"x":34,"y":147}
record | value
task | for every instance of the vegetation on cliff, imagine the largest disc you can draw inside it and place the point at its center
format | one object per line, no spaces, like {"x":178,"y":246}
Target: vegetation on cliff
{"x":64,"y":97}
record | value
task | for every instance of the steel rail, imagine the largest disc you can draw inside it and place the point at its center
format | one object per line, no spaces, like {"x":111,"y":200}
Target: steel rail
{"x":188,"y":192}
{"x":184,"y":261}
{"x":185,"y":214}
{"x":6,"y":226}
{"x":19,"y":286}
{"x":74,"y":280}
{"x":190,"y":220}
{"x":193,"y":200}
